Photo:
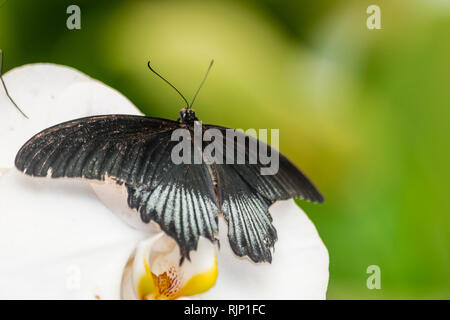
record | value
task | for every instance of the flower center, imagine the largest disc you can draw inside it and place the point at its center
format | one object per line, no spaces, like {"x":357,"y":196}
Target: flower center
{"x":167,"y":286}
{"x":154,"y":271}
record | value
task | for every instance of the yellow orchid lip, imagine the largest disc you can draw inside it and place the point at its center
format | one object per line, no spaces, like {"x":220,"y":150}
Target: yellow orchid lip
{"x":167,"y":286}
{"x":154,"y":271}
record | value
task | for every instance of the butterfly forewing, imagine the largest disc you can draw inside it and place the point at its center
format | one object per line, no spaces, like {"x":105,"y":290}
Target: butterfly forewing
{"x":286,"y":183}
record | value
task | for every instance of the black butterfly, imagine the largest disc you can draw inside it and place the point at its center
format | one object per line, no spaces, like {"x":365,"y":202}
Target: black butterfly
{"x":184,"y":199}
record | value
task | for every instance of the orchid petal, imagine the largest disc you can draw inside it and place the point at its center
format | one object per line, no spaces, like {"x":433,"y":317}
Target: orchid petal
{"x":58,"y":241}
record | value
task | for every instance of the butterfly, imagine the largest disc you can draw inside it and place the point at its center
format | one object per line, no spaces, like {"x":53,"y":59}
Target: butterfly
{"x":184,"y":199}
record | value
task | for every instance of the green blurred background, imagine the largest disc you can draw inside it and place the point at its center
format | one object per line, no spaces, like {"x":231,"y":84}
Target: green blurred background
{"x":365,"y":113}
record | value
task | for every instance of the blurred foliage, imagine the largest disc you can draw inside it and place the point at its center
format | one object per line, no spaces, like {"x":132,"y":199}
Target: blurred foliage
{"x":365,"y":113}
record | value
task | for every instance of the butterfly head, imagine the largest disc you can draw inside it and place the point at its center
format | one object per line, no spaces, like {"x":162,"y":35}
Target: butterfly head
{"x":187,"y":116}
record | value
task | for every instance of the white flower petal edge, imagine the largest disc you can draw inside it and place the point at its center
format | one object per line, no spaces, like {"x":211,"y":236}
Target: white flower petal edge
{"x":50,"y":94}
{"x":154,"y":271}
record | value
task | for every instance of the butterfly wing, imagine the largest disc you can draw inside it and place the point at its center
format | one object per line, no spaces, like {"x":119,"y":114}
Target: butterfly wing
{"x":250,"y":229}
{"x":183,"y":199}
{"x":245,"y":195}
{"x":288,"y":182}
{"x":134,"y":151}
{"x":183,"y":204}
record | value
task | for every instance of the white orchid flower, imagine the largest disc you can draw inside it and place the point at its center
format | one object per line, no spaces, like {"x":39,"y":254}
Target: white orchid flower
{"x":58,"y":241}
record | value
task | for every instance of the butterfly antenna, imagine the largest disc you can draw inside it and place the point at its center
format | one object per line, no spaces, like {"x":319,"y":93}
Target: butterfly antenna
{"x":201,"y":84}
{"x":4,"y":85}
{"x":153,"y":70}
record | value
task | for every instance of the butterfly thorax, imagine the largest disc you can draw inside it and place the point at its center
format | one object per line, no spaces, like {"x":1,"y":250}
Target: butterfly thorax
{"x":187,"y":116}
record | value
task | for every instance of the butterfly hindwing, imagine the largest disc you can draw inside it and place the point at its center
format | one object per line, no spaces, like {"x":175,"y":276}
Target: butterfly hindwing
{"x":250,"y":229}
{"x":182,"y":203}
